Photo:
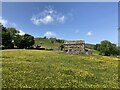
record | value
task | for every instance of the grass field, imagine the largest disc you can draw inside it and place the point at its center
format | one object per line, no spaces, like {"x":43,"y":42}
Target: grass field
{"x":50,"y":69}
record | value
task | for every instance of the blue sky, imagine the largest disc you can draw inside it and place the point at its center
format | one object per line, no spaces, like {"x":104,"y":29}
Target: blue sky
{"x":92,"y":22}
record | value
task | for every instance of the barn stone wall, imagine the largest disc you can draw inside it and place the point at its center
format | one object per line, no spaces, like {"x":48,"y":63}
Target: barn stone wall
{"x":74,"y":47}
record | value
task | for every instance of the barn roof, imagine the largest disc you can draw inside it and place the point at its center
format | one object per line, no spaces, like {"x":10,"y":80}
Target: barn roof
{"x":74,"y":42}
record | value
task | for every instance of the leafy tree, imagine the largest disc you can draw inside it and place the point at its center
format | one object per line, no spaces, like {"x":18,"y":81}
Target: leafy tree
{"x":107,"y":48}
{"x":29,"y":40}
{"x":24,"y":41}
{"x":44,"y":37}
{"x":6,"y":38}
{"x":17,"y":41}
{"x":114,"y":50}
{"x":13,"y":32}
{"x":97,"y":47}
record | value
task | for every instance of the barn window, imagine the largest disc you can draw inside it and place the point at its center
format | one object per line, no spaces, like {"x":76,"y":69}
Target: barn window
{"x":66,"y":50}
{"x":70,"y":50}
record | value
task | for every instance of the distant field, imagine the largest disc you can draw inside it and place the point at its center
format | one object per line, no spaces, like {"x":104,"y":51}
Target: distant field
{"x":50,"y":69}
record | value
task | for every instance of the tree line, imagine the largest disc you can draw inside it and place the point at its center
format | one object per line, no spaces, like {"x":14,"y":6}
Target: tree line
{"x":11,"y":38}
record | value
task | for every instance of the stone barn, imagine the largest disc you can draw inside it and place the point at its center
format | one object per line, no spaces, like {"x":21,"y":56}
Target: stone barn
{"x":74,"y":47}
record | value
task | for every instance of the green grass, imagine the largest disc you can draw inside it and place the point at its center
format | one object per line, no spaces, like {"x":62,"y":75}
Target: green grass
{"x":50,"y":69}
{"x":46,"y":43}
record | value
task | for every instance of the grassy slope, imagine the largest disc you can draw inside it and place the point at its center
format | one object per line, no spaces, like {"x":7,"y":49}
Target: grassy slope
{"x":90,"y":46}
{"x":39,"y":69}
{"x":46,"y":43}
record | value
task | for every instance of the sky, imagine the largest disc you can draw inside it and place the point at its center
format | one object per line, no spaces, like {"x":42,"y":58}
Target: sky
{"x":89,"y":21}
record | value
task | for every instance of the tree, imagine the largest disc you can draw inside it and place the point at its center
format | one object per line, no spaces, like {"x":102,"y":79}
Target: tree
{"x":13,"y":32}
{"x":114,"y":50}
{"x":24,"y":41}
{"x":29,"y":40}
{"x":17,"y":41}
{"x":97,"y":47}
{"x":107,"y":48}
{"x":44,"y":37}
{"x":6,"y":38}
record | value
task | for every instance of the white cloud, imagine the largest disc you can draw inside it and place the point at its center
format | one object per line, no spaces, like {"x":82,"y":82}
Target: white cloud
{"x":50,"y":33}
{"x":89,"y":33}
{"x":3,"y":21}
{"x":48,"y":19}
{"x":48,"y":16}
{"x":21,"y":32}
{"x":61,"y":19}
{"x":6,"y":23}
{"x":35,"y":21}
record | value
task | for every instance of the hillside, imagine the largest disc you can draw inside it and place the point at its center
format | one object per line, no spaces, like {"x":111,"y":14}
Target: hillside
{"x":90,"y":46}
{"x":53,"y":43}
